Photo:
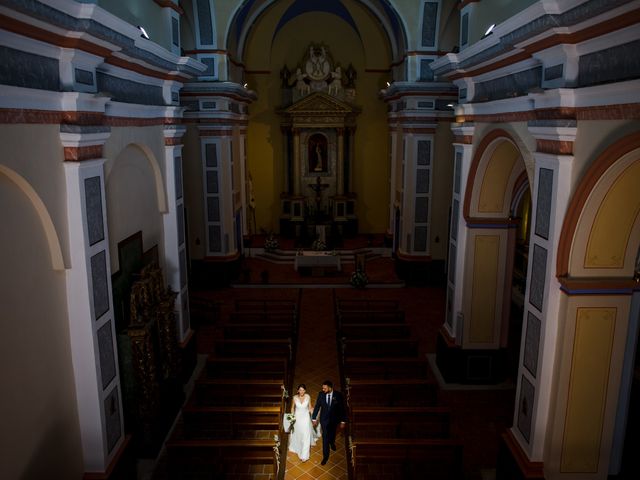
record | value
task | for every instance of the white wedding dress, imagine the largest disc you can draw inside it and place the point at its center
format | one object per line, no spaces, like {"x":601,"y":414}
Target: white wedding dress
{"x":303,"y":435}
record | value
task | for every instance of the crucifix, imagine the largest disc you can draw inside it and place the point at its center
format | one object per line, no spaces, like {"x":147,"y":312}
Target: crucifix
{"x":318,"y":187}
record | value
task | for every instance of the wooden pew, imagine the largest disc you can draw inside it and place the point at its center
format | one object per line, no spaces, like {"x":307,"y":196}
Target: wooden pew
{"x":248,"y":368}
{"x":395,"y":347}
{"x":377,"y":305}
{"x":247,"y":331}
{"x":407,"y":459}
{"x":213,"y":459}
{"x":255,"y":305}
{"x":374,"y":330}
{"x":264,"y":318}
{"x":238,"y":392}
{"x":400,"y":422}
{"x":371,"y":316}
{"x":254,"y":348}
{"x":385,"y":368}
{"x":230,"y":421}
{"x":391,"y":392}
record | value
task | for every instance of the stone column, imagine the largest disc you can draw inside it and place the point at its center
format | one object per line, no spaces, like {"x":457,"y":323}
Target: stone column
{"x":528,"y":439}
{"x":89,"y":298}
{"x":463,"y":155}
{"x":296,"y":162}
{"x":552,"y":185}
{"x":340,"y":163}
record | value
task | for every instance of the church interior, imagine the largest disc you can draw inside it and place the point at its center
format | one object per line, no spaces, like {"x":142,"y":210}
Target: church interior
{"x":433,"y":203}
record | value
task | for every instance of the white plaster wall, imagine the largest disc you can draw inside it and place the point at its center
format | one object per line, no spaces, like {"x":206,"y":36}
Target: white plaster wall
{"x":40,"y":436}
{"x":132,"y":200}
{"x":30,"y":151}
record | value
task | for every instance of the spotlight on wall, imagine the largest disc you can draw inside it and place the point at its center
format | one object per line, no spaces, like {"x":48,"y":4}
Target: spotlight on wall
{"x":450,"y":105}
{"x":388,"y":84}
{"x":490,"y":29}
{"x":144,"y":32}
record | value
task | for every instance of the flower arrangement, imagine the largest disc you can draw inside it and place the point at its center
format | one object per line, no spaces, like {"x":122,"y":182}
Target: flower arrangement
{"x":288,"y":421}
{"x":318,"y":245}
{"x":271,"y":243}
{"x":359,"y":279}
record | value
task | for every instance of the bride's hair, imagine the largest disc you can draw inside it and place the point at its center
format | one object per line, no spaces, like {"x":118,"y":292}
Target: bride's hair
{"x":302,"y":385}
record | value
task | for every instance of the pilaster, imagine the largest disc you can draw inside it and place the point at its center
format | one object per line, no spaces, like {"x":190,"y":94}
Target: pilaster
{"x":174,"y":229}
{"x":89,"y":299}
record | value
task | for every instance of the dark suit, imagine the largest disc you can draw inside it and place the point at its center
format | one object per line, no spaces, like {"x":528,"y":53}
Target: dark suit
{"x":330,"y":418}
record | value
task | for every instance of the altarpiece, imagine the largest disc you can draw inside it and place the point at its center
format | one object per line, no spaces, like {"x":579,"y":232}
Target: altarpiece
{"x":318,"y":127}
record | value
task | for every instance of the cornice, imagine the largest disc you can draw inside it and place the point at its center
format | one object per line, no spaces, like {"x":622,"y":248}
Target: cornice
{"x":219,"y":89}
{"x":535,"y":29}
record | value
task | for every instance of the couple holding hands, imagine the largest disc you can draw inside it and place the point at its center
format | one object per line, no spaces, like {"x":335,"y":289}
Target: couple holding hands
{"x":330,"y":405}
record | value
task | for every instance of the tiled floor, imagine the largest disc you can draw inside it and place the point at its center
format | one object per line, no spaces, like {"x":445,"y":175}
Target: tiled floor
{"x":317,"y":361}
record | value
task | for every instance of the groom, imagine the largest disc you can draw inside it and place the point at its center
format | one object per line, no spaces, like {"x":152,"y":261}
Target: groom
{"x":332,"y":413}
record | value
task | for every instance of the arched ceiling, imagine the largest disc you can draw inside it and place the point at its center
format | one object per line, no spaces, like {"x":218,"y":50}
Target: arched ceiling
{"x":250,"y":11}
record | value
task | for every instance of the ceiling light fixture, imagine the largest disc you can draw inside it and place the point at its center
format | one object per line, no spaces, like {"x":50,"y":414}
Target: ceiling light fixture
{"x":144,"y":32}
{"x":490,"y":29}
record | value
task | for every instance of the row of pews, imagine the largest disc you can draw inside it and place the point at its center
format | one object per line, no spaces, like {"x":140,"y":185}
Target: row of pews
{"x":396,"y":427}
{"x":231,"y":425}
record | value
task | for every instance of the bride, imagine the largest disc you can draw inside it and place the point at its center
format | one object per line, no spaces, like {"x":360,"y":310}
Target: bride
{"x":303,"y":434}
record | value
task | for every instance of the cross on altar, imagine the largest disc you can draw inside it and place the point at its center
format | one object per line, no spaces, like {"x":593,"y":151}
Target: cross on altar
{"x":318,"y":187}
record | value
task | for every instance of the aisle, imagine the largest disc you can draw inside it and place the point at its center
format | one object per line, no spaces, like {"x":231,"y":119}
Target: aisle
{"x":316,"y":361}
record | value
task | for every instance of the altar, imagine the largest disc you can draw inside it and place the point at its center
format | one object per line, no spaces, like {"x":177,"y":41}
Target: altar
{"x":318,"y":127}
{"x":314,"y":259}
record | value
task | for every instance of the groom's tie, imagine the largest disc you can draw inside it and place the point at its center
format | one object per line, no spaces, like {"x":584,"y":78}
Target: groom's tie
{"x":329,"y":399}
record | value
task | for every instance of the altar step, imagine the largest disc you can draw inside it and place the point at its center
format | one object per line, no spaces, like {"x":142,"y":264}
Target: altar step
{"x":284,"y":257}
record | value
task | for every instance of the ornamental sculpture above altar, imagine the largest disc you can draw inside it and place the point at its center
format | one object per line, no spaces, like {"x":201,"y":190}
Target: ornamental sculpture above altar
{"x":317,"y":72}
{"x":318,"y":128}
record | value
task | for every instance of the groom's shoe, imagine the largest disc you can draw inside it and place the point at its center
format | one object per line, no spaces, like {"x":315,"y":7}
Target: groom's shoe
{"x":333,"y":447}
{"x":324,"y":461}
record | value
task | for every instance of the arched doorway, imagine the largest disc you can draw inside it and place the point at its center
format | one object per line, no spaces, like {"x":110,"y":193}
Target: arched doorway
{"x":496,"y":210}
{"x":596,"y":266}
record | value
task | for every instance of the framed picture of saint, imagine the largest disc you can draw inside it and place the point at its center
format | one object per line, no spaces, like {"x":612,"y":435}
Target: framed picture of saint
{"x":317,"y":153}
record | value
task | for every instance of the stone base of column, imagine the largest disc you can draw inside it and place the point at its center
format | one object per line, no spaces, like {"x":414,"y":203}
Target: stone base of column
{"x":469,"y":366}
{"x":513,"y":463}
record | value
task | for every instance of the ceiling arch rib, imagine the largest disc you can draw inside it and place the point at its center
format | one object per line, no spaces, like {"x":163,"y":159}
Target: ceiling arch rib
{"x":248,"y":13}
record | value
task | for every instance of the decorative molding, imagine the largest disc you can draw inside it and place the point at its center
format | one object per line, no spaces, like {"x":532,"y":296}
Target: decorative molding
{"x":598,"y":286}
{"x":554,"y":147}
{"x":170,"y":4}
{"x":503,"y":48}
{"x":212,"y":132}
{"x":78,"y":154}
{"x":463,"y":139}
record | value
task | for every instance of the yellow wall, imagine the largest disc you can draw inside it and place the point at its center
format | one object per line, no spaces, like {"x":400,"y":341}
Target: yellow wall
{"x":584,"y":399}
{"x":485,"y":286}
{"x":264,"y":139}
